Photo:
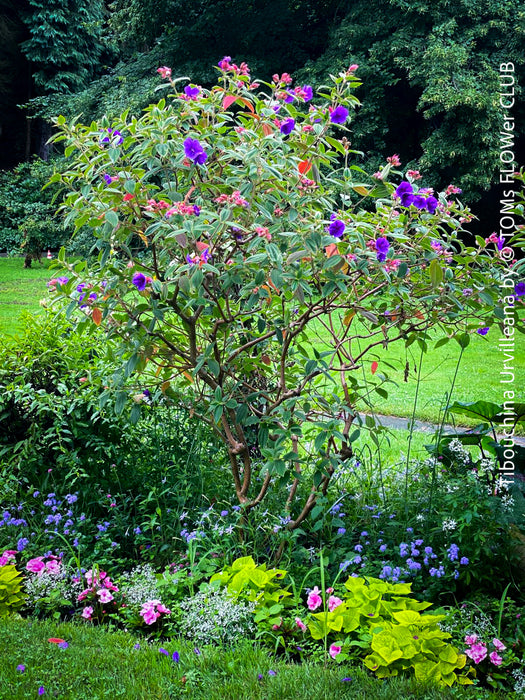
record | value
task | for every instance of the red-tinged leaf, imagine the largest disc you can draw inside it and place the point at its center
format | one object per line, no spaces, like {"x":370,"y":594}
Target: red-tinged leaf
{"x":202,"y":246}
{"x":56,"y":640}
{"x":247,"y":103}
{"x":304,"y":166}
{"x":374,"y":367}
{"x":228,"y":101}
{"x":266,"y":359}
{"x":97,"y":316}
{"x":331,"y":249}
{"x":267,"y":129}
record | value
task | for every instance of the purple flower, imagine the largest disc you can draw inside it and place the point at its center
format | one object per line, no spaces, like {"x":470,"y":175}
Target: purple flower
{"x":405,"y":192}
{"x":224,"y":513}
{"x":287,"y":126}
{"x":191,"y":92}
{"x":341,"y":531}
{"x":139,"y":280}
{"x":176,"y":657}
{"x":22,"y":544}
{"x":464,"y":561}
{"x":41,"y":690}
{"x":272,"y":673}
{"x":483,"y":331}
{"x":382,"y":246}
{"x":108,"y":179}
{"x":383,"y":548}
{"x":289,"y":97}
{"x":419,"y":201}
{"x":136,"y":646}
{"x":21,"y":668}
{"x":346,"y":680}
{"x":308,"y":93}
{"x":339,"y":115}
{"x":194,"y":151}
{"x":336,"y":228}
{"x":519,"y":289}
{"x":163,"y":651}
{"x":358,"y":548}
{"x":63,"y":645}
{"x":113,"y":136}
{"x":197,"y":651}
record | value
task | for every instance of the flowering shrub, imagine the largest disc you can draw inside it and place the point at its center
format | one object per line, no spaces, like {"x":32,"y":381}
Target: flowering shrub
{"x":239,"y":271}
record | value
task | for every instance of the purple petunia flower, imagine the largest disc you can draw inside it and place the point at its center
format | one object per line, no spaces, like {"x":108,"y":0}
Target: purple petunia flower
{"x":194,"y":151}
{"x":483,"y":331}
{"x":287,"y":126}
{"x":336,"y":228}
{"x":139,"y":280}
{"x":339,"y":115}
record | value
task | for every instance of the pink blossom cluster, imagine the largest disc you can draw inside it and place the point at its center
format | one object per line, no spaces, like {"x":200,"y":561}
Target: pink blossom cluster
{"x":284,"y":79}
{"x":315,"y":600}
{"x":306,"y":184}
{"x":38,"y":565}
{"x":152,"y":610}
{"x":226,"y":64}
{"x":164,"y":72}
{"x":99,"y":583}
{"x":184,"y":209}
{"x":452,"y":189}
{"x":394,"y":160}
{"x":477,"y":651}
{"x":414,"y":174}
{"x":7,"y":556}
{"x":233,"y":198}
{"x":153,"y":205}
{"x":263,"y":232}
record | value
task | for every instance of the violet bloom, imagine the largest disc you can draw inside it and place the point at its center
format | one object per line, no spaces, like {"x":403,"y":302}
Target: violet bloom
{"x":289,"y":97}
{"x":419,"y":201}
{"x":113,"y":136}
{"x":192,"y":92}
{"x":431,"y":204}
{"x":519,"y":289}
{"x":176,"y":657}
{"x":108,"y":179}
{"x":308,"y":93}
{"x":21,"y":668}
{"x":336,"y":228}
{"x":483,"y":331}
{"x":339,"y":115}
{"x":405,"y":192}
{"x":194,"y":151}
{"x":139,"y":280}
{"x":287,"y":126}
{"x":382,"y":247}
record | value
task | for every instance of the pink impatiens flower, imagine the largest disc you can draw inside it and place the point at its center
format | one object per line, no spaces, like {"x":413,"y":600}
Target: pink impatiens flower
{"x":333,"y":603}
{"x":499,"y":645}
{"x":36,"y":565}
{"x":314,"y":599}
{"x":87,"y":612}
{"x":334,"y":650}
{"x":471,"y":639}
{"x":477,"y":652}
{"x":300,"y":624}
{"x":496,"y":658}
{"x":104,"y":595}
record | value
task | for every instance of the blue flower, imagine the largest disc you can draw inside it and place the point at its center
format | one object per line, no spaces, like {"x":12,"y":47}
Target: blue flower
{"x":464,"y":561}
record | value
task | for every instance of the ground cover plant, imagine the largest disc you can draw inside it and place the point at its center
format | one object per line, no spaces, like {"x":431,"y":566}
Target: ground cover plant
{"x":181,"y":453}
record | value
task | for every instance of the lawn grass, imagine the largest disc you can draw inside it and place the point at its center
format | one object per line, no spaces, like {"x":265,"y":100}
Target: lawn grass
{"x":103,"y":664}
{"x":20,"y":290}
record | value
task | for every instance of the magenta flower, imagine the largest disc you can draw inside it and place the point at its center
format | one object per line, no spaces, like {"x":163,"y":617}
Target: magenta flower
{"x":471,"y":639}
{"x":104,"y":595}
{"x":300,"y":624}
{"x":87,"y":612}
{"x":194,"y":151}
{"x":287,"y":126}
{"x":339,"y":115}
{"x":477,"y":653}
{"x":41,"y":690}
{"x":334,"y":650}
{"x":334,"y":602}
{"x":314,"y":599}
{"x":499,"y":645}
{"x":192,"y":92}
{"x":308,"y":93}
{"x":496,"y":658}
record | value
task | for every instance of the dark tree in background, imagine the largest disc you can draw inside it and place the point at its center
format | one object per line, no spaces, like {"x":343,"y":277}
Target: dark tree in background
{"x":51,"y":47}
{"x":429,"y":70}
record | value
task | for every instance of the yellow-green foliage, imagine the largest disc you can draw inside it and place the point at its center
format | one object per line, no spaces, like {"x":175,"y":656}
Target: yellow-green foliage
{"x":258,"y":584}
{"x":399,"y":637}
{"x":11,"y":595}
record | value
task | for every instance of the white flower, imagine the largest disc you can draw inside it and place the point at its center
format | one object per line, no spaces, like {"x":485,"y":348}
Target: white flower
{"x":449,"y":524}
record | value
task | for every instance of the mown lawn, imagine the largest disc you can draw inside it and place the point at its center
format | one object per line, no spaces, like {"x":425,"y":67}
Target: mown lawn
{"x":20,"y":290}
{"x":101,"y":664}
